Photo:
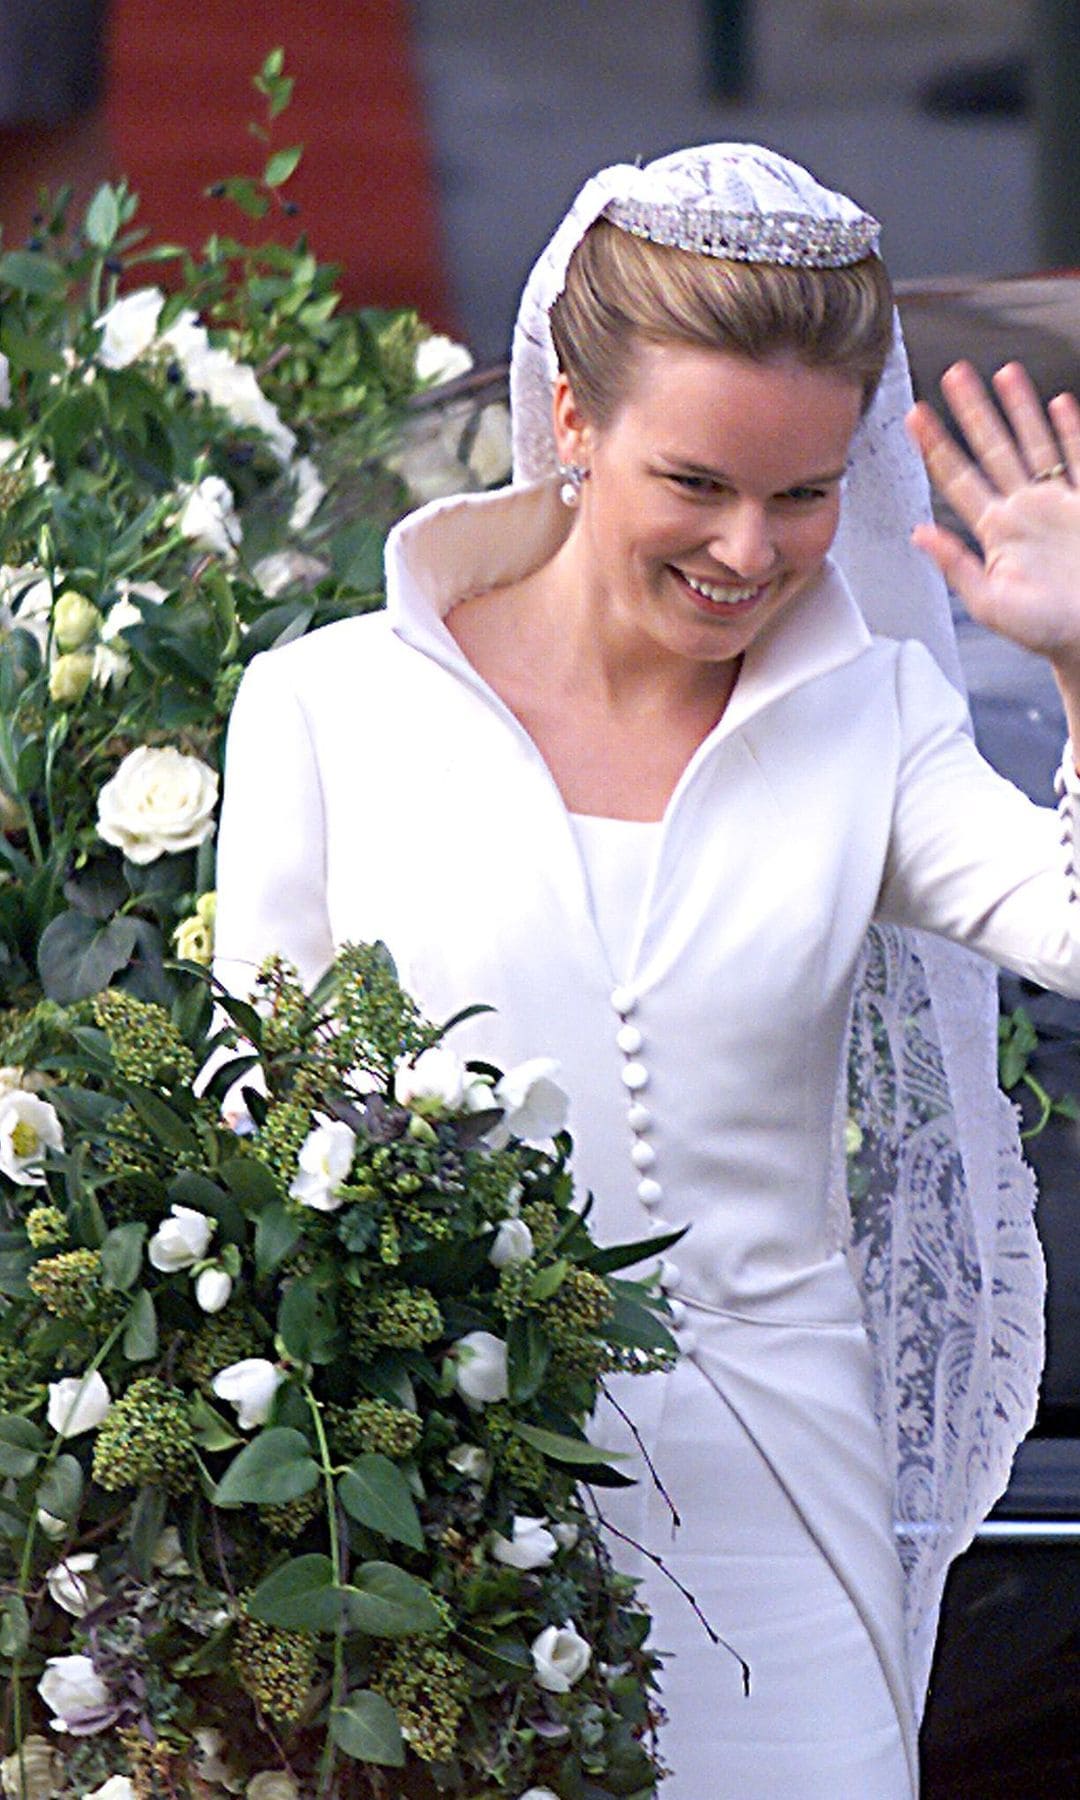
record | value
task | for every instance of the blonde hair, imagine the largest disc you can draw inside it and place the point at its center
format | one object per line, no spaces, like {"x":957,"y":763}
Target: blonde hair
{"x":622,"y":290}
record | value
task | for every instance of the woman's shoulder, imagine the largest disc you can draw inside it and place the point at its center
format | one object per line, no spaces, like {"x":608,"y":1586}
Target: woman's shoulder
{"x":349,"y":651}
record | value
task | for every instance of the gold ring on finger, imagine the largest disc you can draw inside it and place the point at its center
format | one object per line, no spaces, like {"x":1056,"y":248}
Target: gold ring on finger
{"x":1051,"y":474}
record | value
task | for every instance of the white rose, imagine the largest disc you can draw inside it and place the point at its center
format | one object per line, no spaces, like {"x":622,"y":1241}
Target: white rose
{"x":428,"y":462}
{"x":271,"y":1785}
{"x":118,"y":1787}
{"x":530,"y":1545}
{"x":231,"y":386}
{"x":74,"y":1692}
{"x":435,"y":1082}
{"x":310,"y":493}
{"x":159,"y":802}
{"x":129,"y":327}
{"x":513,"y":1243}
{"x":491,"y":455}
{"x":185,"y":339}
{"x":71,"y":1586}
{"x":28,"y":1127}
{"x":535,"y":1106}
{"x":469,"y":1460}
{"x":325,"y":1160}
{"x":109,"y":667}
{"x":208,"y":517}
{"x":250,"y":1386}
{"x":560,"y":1657}
{"x":212,"y":1290}
{"x":181,"y":1241}
{"x":77,"y":1403}
{"x":35,"y":1774}
{"x":440,"y":359}
{"x":480,"y":1372}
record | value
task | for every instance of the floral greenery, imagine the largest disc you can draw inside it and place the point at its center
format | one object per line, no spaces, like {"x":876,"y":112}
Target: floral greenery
{"x":185,"y":480}
{"x":293,"y":1425}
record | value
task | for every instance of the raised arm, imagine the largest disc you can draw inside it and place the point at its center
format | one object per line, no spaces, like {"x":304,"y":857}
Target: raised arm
{"x":1018,"y":492}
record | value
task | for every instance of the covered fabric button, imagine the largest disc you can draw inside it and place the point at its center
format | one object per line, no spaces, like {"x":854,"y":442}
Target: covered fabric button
{"x":639,"y":1118}
{"x":669,"y":1275}
{"x":624,"y":1000}
{"x":635,"y":1076}
{"x":643,"y":1156}
{"x":678,"y":1314}
{"x":629,"y":1040}
{"x":659,"y":1227}
{"x":649,"y":1192}
{"x":686,"y":1341}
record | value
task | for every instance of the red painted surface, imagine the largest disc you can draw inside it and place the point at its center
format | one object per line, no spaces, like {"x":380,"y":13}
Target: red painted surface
{"x":180,"y":97}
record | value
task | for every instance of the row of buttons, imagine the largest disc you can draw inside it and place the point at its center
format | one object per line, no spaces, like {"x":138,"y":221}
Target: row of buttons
{"x":1066,"y":793}
{"x":635,"y":1077}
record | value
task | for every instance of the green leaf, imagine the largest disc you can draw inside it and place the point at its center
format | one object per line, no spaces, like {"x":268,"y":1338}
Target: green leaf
{"x":375,"y":1493}
{"x":356,"y":554}
{"x":61,"y":1488}
{"x":212,"y":1431}
{"x":385,"y":1601}
{"x":25,"y":351}
{"x":31,"y":273}
{"x":276,"y":1233}
{"x":548,"y":1281}
{"x":281,"y":165}
{"x":366,"y":1728}
{"x":78,"y":957}
{"x":21,"y":1444}
{"x":15,"y":1266}
{"x":506,"y":1657}
{"x":563,"y":1449}
{"x":620,"y":1256}
{"x":141,"y":1329}
{"x":250,"y":1181}
{"x":528,"y":1354}
{"x":306,"y":1324}
{"x":122,"y":1254}
{"x":14,"y":1629}
{"x":163,"y":1122}
{"x":102,"y":217}
{"x":147,"y":1520}
{"x":637,"y":1327}
{"x":300,"y":1596}
{"x":275,"y":1467}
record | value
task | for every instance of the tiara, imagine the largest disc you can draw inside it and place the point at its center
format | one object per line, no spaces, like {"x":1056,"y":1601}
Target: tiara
{"x":778,"y":237}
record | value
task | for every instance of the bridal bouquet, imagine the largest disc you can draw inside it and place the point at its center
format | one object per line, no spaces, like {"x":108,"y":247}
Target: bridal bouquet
{"x":298,"y":1499}
{"x":200,"y":456}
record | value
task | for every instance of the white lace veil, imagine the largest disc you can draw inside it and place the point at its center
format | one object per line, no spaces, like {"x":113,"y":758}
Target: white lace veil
{"x":937,"y":1206}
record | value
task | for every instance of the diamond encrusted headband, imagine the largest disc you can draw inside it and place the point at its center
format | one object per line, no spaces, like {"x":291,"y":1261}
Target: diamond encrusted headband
{"x":777,"y":237}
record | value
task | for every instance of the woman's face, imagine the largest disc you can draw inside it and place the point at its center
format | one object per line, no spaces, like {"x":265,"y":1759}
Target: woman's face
{"x":712,"y":495}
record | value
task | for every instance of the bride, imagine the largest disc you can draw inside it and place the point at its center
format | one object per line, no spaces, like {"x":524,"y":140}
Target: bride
{"x":659,"y":752}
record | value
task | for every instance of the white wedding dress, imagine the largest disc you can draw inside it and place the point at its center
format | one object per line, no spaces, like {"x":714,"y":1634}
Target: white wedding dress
{"x":377,"y":788}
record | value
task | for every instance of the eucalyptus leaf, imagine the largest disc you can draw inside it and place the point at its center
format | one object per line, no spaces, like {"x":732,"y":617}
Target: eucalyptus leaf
{"x":21,"y":1445}
{"x":367,"y":1729}
{"x":14,"y":1627}
{"x":299,"y":1596}
{"x":374,"y":1491}
{"x":141,"y":1329}
{"x":61,"y":1488}
{"x":102,"y":218}
{"x":122,"y":1255}
{"x":276,"y":1233}
{"x":562,"y":1449}
{"x":277,"y":1466}
{"x":385,"y":1601}
{"x":78,"y":956}
{"x":212,"y":1431}
{"x":147,"y":1521}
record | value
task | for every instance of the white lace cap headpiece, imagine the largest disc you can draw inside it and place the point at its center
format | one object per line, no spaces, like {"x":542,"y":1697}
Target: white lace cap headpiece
{"x":943,"y":1241}
{"x":748,"y":204}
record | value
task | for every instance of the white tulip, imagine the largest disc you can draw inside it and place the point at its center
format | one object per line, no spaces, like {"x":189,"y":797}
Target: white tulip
{"x":480,"y":1371}
{"x":75,"y":1694}
{"x":250,"y":1386}
{"x":212,"y":1289}
{"x":271,"y":1785}
{"x":160,"y":801}
{"x":435,"y":1082}
{"x":560,"y":1657}
{"x":129,"y":327}
{"x":28,"y":1127}
{"x":71,"y":1586}
{"x":513,"y":1242}
{"x":325,"y":1161}
{"x":535,"y":1106}
{"x":77,"y":1403}
{"x":118,"y":1787}
{"x":35,"y":1773}
{"x":208,"y":517}
{"x":439,"y":358}
{"x":469,"y":1460}
{"x":531,"y":1545}
{"x":181,"y":1241}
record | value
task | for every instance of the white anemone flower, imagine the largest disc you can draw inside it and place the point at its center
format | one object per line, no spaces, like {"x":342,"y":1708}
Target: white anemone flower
{"x":480,"y":1368}
{"x":180,"y":1241}
{"x":77,"y":1403}
{"x":531,"y":1544}
{"x":325,"y":1161}
{"x":29,"y":1127}
{"x":249,"y":1386}
{"x":534,"y":1106}
{"x":72,"y":1585}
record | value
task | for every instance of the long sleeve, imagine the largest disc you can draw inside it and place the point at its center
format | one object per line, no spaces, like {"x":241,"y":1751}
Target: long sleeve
{"x":970,"y":857}
{"x":272,"y":843}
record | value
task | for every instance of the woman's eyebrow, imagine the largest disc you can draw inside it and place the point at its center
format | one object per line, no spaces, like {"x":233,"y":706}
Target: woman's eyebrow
{"x":693,"y":468}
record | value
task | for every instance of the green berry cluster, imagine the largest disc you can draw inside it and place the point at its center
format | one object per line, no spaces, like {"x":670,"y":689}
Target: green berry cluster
{"x":278,"y":1141}
{"x":427,"y":1685}
{"x":225,"y":1338}
{"x":515,"y":1461}
{"x":45,"y":1226}
{"x":277,"y":1668}
{"x":18,"y":1393}
{"x":397,"y":1318}
{"x":376,"y":1022}
{"x":289,"y":1518}
{"x":147,"y":1435}
{"x":375,"y":1425}
{"x":70,"y":1285}
{"x":225,"y":688}
{"x":543,"y":1221}
{"x":145,"y":1044}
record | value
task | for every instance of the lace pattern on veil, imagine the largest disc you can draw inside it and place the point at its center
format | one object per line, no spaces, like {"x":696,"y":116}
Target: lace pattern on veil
{"x":939,"y":1221}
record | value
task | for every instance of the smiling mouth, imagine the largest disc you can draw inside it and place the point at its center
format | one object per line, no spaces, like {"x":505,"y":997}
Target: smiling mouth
{"x":716,"y":598}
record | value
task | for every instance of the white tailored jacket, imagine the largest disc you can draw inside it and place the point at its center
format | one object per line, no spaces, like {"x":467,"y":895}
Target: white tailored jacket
{"x":377,"y":788}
